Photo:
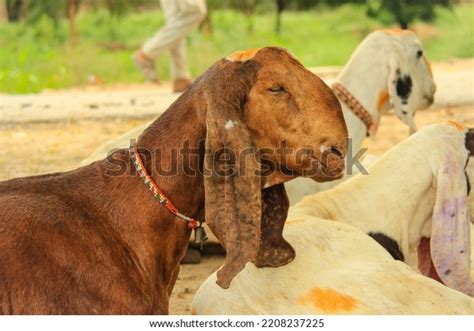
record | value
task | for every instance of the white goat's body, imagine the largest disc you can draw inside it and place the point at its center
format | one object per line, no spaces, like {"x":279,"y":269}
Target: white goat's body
{"x":398,"y":196}
{"x":339,"y":265}
{"x":337,"y":270}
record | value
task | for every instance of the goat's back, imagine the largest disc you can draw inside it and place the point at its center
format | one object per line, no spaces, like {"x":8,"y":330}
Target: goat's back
{"x":337,"y":270}
{"x":59,"y":255}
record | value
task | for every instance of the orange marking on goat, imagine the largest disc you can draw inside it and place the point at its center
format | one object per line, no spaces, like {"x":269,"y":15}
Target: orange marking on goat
{"x":328,"y":300}
{"x":382,"y":99}
{"x":457,"y":125}
{"x":397,"y":31}
{"x":242,"y":56}
{"x":193,"y":312}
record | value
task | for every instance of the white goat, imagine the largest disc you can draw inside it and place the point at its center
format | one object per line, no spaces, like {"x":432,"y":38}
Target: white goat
{"x":387,"y":70}
{"x":417,"y":189}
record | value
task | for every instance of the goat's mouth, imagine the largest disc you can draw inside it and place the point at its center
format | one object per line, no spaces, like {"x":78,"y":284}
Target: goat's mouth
{"x":425,"y":263}
{"x":428,"y":268}
{"x":328,"y":165}
{"x":429,"y":100}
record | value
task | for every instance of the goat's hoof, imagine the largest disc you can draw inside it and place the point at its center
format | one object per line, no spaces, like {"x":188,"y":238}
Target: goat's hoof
{"x":193,"y":256}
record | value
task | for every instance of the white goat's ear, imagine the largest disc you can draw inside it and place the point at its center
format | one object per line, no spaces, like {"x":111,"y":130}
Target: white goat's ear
{"x":450,"y":231}
{"x":400,"y":87}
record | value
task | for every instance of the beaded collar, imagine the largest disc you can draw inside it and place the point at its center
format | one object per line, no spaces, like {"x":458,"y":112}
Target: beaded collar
{"x":342,"y":93}
{"x":197,"y":226}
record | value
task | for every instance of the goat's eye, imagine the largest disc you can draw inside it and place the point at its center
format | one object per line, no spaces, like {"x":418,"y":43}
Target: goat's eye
{"x":277,"y":89}
{"x":419,"y":54}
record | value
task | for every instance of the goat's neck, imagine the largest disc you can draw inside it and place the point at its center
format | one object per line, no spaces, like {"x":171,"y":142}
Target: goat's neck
{"x":386,"y":201}
{"x":155,"y":236}
{"x":368,"y":84}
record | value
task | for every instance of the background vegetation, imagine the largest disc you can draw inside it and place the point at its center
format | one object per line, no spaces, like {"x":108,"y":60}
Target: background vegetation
{"x":41,"y":48}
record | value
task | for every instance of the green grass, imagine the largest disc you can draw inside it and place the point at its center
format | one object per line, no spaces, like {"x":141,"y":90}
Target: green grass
{"x":36,"y":57}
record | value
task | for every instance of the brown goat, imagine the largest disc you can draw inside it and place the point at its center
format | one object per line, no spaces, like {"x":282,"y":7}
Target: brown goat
{"x":95,"y":241}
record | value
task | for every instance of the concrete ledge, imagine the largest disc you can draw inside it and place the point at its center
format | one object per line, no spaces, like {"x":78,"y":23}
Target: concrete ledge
{"x":454,"y":79}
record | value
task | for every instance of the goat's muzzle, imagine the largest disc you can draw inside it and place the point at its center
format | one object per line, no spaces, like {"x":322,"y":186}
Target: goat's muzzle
{"x":328,"y":166}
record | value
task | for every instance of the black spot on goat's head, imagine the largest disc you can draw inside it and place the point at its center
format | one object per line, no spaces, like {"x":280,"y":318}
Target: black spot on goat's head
{"x":403,"y":86}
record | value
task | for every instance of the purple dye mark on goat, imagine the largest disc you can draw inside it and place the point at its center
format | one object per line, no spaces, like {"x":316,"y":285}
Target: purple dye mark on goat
{"x":451,"y":244}
{"x":451,"y":207}
{"x":450,"y":239}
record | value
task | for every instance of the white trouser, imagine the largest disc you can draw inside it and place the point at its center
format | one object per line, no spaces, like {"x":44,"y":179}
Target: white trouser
{"x":181,"y":17}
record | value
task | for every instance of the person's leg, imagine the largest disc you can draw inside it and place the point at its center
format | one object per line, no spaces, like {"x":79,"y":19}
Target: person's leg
{"x":146,"y":66}
{"x":145,"y":57}
{"x":179,"y":66}
{"x":181,"y":17}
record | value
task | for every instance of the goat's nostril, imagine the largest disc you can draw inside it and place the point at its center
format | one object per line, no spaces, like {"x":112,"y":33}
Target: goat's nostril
{"x":336,"y":151}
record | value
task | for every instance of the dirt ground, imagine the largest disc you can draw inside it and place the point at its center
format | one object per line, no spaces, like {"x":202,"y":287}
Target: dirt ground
{"x":36,"y":147}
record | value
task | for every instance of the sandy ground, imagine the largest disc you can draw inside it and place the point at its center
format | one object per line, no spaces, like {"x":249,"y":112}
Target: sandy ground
{"x":48,"y":136}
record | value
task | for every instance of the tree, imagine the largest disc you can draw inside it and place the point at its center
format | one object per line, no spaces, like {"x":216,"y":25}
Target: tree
{"x":72,"y":9}
{"x":53,"y":9}
{"x":247,"y":7}
{"x":405,"y":12}
{"x":57,"y":9}
{"x":14,"y":10}
{"x":280,"y":6}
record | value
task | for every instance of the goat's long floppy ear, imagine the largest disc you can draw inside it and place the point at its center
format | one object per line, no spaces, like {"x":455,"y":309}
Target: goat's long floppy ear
{"x":400,"y":87}
{"x":231,"y":181}
{"x":450,"y":230}
{"x":274,"y":250}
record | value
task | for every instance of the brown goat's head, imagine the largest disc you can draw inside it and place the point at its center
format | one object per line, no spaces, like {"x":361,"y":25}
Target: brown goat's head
{"x":268,"y":120}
